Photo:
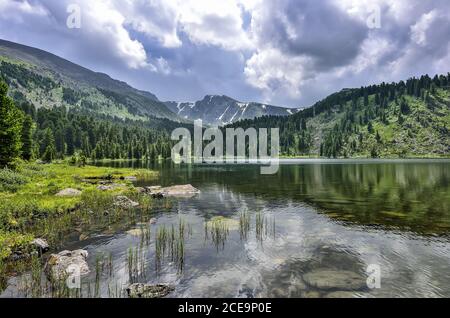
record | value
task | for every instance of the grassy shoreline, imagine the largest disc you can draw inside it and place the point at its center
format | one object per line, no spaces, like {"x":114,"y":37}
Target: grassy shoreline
{"x":29,"y":207}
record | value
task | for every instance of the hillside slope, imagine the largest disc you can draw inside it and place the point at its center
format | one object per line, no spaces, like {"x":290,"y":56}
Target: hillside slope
{"x":47,"y":80}
{"x":405,"y":119}
{"x":222,"y":110}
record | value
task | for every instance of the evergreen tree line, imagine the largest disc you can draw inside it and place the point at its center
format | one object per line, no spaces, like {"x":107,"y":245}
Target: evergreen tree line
{"x":50,"y":134}
{"x":360,"y":107}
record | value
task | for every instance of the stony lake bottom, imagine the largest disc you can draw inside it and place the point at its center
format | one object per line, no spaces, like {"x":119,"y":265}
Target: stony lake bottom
{"x":311,"y":230}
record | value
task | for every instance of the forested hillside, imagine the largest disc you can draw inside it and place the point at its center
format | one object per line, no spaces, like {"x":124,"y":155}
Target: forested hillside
{"x":405,"y":119}
{"x":48,"y":81}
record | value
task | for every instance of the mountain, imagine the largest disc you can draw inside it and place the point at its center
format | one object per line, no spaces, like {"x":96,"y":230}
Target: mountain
{"x":222,"y":110}
{"x":404,"y":119}
{"x":47,"y":80}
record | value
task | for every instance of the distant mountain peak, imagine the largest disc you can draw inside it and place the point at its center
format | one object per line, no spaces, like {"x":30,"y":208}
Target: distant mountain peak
{"x":221,"y":110}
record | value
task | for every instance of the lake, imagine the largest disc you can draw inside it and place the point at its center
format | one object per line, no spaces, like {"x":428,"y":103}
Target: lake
{"x":298,"y":233}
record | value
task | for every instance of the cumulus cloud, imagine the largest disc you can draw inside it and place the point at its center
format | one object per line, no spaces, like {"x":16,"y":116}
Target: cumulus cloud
{"x":290,"y":52}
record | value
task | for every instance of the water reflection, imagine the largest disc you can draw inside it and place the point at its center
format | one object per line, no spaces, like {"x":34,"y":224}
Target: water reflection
{"x":300,"y":233}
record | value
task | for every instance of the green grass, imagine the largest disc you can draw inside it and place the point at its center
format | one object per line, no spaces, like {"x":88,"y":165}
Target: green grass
{"x":29,"y":207}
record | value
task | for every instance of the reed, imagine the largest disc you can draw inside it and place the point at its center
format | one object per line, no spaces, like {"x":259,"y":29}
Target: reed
{"x":217,"y":230}
{"x":244,"y":224}
{"x":170,"y":243}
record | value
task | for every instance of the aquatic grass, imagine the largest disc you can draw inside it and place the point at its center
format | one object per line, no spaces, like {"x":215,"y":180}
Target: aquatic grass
{"x":263,"y":227}
{"x":244,"y":224}
{"x":217,"y":229}
{"x":170,"y":243}
{"x":136,"y":264}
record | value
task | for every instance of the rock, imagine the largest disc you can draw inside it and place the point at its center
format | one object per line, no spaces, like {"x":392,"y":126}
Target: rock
{"x":279,"y":293}
{"x":60,"y":265}
{"x":334,"y":279}
{"x":152,"y":221}
{"x":223,"y":222}
{"x":310,"y":294}
{"x":340,"y":294}
{"x":154,"y":189}
{"x":40,"y":245}
{"x":69,"y":193}
{"x":83,"y":237}
{"x":140,"y":190}
{"x":157,"y":196}
{"x":109,"y":187}
{"x":149,"y":291}
{"x":124,"y":202}
{"x":136,"y":232}
{"x":130,"y":178}
{"x":176,"y":191}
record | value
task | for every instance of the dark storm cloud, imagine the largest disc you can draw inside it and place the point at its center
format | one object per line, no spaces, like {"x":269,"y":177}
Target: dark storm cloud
{"x":317,"y":29}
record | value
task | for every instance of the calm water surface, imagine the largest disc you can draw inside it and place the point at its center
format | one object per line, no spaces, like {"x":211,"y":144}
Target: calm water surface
{"x":316,"y":215}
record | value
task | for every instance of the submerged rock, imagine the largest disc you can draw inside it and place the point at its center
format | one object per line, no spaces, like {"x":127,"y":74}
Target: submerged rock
{"x":60,"y":265}
{"x":149,"y":291}
{"x":124,"y":202}
{"x":136,"y":232}
{"x":69,"y":192}
{"x":327,"y":279}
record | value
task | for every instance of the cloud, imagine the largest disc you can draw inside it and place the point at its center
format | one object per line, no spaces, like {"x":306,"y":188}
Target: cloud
{"x":290,"y":52}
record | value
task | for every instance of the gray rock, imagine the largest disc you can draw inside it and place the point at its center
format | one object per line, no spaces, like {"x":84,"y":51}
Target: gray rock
{"x":153,"y":189}
{"x":149,"y":291}
{"x":310,"y":294}
{"x":60,"y":265}
{"x":327,"y":279}
{"x":179,"y":191}
{"x":130,"y":178}
{"x":69,"y":192}
{"x":124,"y":202}
{"x":340,"y":294}
{"x":40,"y":245}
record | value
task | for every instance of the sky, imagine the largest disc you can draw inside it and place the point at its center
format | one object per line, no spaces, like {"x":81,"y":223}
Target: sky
{"x":287,"y":52}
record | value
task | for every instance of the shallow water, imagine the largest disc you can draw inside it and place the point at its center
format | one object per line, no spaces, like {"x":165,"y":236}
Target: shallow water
{"x":314,"y":215}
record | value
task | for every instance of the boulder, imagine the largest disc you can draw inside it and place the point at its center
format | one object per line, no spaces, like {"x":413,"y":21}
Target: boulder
{"x":327,"y":279}
{"x":40,"y":245}
{"x":60,"y":266}
{"x":149,"y":291}
{"x":124,"y":202}
{"x":179,"y":191}
{"x":130,"y":178}
{"x":69,"y":192}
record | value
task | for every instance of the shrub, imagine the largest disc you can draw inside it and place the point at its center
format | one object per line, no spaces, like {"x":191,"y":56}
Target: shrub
{"x":11,"y":180}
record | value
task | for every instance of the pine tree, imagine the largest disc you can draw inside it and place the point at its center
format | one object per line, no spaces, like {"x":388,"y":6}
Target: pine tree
{"x":49,"y":146}
{"x":11,"y":121}
{"x":27,"y":138}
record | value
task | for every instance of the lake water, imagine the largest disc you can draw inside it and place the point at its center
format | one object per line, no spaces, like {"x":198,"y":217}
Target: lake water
{"x":298,"y":233}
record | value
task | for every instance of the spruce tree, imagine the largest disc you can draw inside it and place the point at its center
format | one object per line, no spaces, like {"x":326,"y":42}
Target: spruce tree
{"x":27,"y":137}
{"x":49,"y":146}
{"x":11,"y":120}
